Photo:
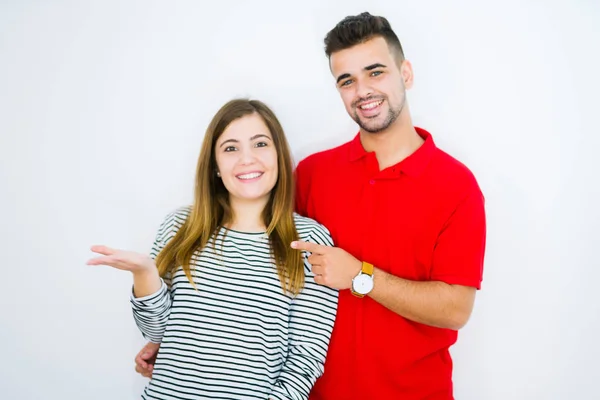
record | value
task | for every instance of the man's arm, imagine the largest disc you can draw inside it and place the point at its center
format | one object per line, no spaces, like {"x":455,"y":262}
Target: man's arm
{"x":432,"y":303}
{"x":445,"y":301}
{"x":145,"y":359}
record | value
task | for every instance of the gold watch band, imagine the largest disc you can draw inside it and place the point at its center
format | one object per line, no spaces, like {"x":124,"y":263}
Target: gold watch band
{"x":367,"y":268}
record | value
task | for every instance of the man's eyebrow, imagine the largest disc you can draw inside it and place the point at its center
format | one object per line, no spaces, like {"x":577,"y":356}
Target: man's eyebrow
{"x":373,"y":66}
{"x":342,"y":76}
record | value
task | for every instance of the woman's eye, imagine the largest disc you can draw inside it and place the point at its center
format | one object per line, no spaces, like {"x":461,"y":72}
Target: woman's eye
{"x":230,"y":148}
{"x":261,"y":144}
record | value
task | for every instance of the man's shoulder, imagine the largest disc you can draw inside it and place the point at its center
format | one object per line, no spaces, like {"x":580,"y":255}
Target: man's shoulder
{"x":453,"y":170}
{"x":325,"y":157}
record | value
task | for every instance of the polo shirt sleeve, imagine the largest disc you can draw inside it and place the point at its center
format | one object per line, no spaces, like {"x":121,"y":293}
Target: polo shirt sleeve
{"x":459,"y":252}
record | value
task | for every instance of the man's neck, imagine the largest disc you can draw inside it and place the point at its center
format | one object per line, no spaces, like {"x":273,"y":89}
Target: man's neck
{"x":394,"y":144}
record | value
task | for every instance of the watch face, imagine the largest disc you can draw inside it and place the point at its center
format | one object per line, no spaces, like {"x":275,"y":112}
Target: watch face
{"x":362,"y":284}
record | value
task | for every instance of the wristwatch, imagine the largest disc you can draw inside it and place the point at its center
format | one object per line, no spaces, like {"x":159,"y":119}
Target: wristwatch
{"x":362,"y":283}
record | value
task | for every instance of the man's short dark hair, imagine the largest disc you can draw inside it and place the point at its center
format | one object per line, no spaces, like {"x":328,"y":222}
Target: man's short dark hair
{"x":356,"y":29}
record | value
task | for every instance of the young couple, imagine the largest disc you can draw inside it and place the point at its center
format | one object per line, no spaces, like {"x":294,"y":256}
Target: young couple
{"x":348,"y":278}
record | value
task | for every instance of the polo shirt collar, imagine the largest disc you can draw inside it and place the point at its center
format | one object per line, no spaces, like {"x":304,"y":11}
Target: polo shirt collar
{"x":412,"y":165}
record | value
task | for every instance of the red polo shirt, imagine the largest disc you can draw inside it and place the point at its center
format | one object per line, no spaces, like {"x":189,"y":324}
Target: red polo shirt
{"x":421,"y":219}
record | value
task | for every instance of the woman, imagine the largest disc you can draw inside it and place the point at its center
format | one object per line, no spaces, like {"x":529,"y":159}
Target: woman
{"x":235,"y":308}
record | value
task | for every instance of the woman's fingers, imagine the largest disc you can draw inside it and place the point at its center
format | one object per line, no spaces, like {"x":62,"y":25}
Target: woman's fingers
{"x":107,"y":251}
{"x":113,"y":262}
{"x":109,"y":257}
{"x":104,"y":260}
{"x":120,"y":259}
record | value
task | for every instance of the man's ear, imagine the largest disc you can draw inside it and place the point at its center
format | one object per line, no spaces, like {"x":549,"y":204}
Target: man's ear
{"x":406,"y":71}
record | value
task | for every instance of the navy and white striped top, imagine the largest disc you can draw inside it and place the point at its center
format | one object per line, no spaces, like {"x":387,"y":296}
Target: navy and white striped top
{"x":238,"y":336}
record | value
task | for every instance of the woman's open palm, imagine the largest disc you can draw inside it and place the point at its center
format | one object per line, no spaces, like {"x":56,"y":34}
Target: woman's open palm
{"x":122,"y":259}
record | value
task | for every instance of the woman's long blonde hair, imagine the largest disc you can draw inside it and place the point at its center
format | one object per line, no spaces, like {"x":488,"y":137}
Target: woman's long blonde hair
{"x":211,"y":209}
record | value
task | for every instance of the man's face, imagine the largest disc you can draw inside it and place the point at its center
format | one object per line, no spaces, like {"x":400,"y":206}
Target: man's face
{"x":371,"y":83}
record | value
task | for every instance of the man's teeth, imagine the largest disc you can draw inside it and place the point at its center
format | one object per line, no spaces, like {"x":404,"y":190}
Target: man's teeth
{"x":250,"y":176}
{"x":369,"y":106}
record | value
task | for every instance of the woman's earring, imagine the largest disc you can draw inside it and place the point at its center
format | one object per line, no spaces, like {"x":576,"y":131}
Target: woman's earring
{"x":218,"y":174}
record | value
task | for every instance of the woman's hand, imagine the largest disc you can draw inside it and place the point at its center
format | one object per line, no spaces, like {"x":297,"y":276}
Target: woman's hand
{"x":122,"y":259}
{"x":145,"y":274}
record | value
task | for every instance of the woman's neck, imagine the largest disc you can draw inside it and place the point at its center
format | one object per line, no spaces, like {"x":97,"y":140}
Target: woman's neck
{"x":247,"y":216}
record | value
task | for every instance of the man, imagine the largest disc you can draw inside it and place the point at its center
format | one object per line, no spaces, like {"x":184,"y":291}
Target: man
{"x":408,"y":221}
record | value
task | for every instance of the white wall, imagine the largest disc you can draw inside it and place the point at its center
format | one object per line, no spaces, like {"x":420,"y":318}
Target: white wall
{"x":102,"y":111}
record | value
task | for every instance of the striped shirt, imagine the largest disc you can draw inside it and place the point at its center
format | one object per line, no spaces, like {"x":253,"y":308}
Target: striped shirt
{"x":238,"y":336}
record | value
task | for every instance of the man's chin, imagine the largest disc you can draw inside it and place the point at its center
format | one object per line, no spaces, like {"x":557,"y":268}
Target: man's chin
{"x":372,"y":126}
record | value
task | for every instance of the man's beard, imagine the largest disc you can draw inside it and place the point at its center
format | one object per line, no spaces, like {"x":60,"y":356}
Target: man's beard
{"x":392,"y":115}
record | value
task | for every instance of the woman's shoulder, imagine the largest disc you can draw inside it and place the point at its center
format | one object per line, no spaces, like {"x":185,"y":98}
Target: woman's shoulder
{"x":178,"y":215}
{"x":172,"y":222}
{"x":309,"y":230}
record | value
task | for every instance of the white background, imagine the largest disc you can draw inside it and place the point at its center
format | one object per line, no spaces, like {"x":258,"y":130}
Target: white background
{"x":103,"y":106}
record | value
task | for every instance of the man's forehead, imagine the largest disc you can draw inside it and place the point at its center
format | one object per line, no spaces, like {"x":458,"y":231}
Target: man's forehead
{"x":360,"y":56}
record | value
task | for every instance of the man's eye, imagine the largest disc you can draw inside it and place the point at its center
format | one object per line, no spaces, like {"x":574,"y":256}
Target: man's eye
{"x":346,"y":83}
{"x":376,"y":73}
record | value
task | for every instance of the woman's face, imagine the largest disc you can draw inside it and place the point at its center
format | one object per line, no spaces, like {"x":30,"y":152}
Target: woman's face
{"x":247,"y":160}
